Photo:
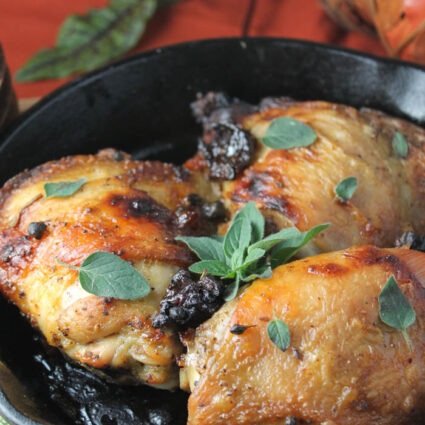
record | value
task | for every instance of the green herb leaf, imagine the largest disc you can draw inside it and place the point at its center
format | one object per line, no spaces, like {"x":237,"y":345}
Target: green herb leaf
{"x":63,"y":189}
{"x":251,"y":213}
{"x":106,"y":275}
{"x":237,"y":258}
{"x":279,"y":334}
{"x":253,"y":256}
{"x":205,"y":248}
{"x":232,"y":289}
{"x":395,"y":309}
{"x":346,"y":188}
{"x":86,"y":42}
{"x":238,"y":236}
{"x":287,"y":249}
{"x":234,"y":258}
{"x":400,"y":145}
{"x":287,"y":133}
{"x":272,"y":240}
{"x":213,"y":267}
{"x":261,"y":272}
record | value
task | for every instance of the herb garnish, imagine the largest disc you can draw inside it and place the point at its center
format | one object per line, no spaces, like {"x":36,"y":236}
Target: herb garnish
{"x":395,"y":309}
{"x":346,"y":188}
{"x":107,"y":275}
{"x":400,"y":145}
{"x":278,"y":332}
{"x":244,"y":255}
{"x":63,"y":189}
{"x":287,"y":133}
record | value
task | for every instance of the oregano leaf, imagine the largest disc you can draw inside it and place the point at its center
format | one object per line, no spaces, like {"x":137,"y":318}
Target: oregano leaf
{"x":213,"y":267}
{"x":275,"y":238}
{"x":238,"y":236}
{"x":206,"y":248}
{"x":395,"y":309}
{"x":63,"y":189}
{"x":278,"y":332}
{"x":232,"y":289}
{"x":400,"y":145}
{"x":285,"y":250}
{"x":251,"y":213}
{"x":107,"y":275}
{"x":288,"y":133}
{"x":345,"y":188}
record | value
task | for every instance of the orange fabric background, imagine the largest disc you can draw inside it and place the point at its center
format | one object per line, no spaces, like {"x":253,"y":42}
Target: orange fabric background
{"x":29,"y":25}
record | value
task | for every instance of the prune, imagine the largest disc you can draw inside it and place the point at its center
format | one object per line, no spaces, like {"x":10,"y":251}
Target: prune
{"x":227,"y":149}
{"x":197,"y":217}
{"x":189,"y":301}
{"x":205,"y":105}
{"x":215,"y":107}
{"x":411,"y":239}
{"x":214,"y":211}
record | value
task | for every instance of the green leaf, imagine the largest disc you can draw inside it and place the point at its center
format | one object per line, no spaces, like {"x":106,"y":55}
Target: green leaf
{"x":346,"y":188}
{"x":107,"y":275}
{"x":213,"y":267}
{"x":272,"y":240}
{"x":237,"y":258}
{"x":395,"y":309}
{"x":253,"y":256}
{"x":287,"y":133}
{"x":279,"y":334}
{"x":63,"y":189}
{"x":238,"y":236}
{"x":86,"y":42}
{"x":205,"y":248}
{"x":288,"y":248}
{"x":400,"y":145}
{"x":255,"y":218}
{"x":262,"y":272}
{"x":231,"y":290}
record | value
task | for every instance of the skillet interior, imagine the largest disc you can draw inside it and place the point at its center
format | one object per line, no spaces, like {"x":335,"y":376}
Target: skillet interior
{"x":141,"y":105}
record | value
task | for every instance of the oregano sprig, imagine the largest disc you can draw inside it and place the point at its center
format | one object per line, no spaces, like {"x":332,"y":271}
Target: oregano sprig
{"x":244,"y":254}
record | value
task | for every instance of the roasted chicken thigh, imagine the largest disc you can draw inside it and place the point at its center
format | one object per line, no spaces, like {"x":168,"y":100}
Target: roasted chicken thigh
{"x":344,"y":366}
{"x":296,"y":187}
{"x":131,"y":209}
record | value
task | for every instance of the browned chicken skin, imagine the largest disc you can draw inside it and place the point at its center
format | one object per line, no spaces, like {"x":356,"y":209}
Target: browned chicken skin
{"x":344,"y":366}
{"x":127,"y":208}
{"x":296,"y":187}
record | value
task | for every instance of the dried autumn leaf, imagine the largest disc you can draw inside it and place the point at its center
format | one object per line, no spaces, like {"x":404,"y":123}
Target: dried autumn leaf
{"x":400,"y":24}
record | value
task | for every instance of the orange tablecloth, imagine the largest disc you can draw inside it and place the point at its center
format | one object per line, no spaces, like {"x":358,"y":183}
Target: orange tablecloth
{"x":29,"y":25}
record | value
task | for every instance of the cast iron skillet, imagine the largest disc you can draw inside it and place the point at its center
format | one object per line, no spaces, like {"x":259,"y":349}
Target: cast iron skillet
{"x":141,"y":105}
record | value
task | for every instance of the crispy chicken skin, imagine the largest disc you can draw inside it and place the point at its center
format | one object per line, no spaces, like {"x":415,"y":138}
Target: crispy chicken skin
{"x":296,"y":186}
{"x":127,"y":208}
{"x":344,"y":366}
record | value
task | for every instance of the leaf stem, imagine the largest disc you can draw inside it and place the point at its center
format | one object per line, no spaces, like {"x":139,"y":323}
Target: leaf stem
{"x":407,"y":339}
{"x":66,"y":264}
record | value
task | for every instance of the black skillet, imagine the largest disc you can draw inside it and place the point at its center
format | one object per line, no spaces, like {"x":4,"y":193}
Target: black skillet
{"x":141,"y":105}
